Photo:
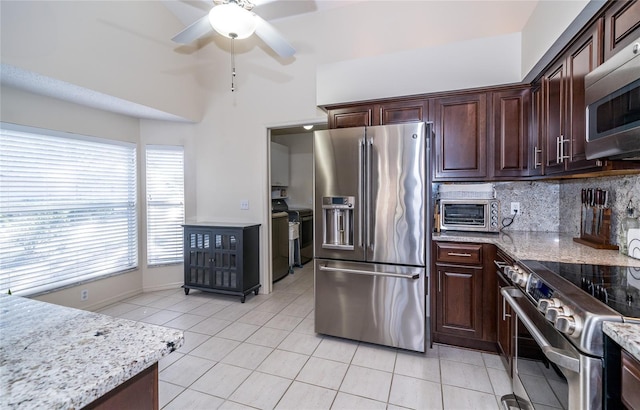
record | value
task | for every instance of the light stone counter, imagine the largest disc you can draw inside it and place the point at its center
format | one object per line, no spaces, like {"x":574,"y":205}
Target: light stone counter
{"x":55,"y":357}
{"x":627,"y":335}
{"x":542,"y":246}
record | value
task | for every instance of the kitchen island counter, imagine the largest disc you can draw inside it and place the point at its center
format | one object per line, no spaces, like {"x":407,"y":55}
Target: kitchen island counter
{"x":58,"y":357}
{"x":542,"y":246}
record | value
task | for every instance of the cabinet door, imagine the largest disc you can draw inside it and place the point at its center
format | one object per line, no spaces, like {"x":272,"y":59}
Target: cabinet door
{"x":630,"y":381}
{"x":554,"y":123}
{"x":621,"y":26}
{"x":505,"y":326}
{"x":226,"y":253}
{"x":583,"y":58}
{"x":458,"y":301}
{"x":460,"y":125}
{"x":197,"y":257}
{"x":402,"y":111}
{"x":536,"y":140}
{"x":510,"y":132}
{"x":358,"y":116}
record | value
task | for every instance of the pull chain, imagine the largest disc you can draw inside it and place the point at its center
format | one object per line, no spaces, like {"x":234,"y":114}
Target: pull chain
{"x":233,"y":62}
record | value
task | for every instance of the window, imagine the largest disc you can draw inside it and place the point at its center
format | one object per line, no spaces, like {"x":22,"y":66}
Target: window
{"x":165,"y":204}
{"x":67,"y":209}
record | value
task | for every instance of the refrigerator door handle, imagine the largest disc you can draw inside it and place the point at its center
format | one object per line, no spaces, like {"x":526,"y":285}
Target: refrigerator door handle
{"x":370,"y":273}
{"x":369,"y":212}
{"x":361,"y":192}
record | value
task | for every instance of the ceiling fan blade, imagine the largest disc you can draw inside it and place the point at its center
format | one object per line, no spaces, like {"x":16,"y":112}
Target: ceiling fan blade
{"x":194,"y":31}
{"x":270,"y":35}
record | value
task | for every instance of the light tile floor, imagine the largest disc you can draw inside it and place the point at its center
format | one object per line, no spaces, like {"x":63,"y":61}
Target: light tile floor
{"x":265,"y":354}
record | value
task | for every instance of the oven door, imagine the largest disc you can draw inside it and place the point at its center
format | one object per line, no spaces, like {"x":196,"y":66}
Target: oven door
{"x":548,"y":372}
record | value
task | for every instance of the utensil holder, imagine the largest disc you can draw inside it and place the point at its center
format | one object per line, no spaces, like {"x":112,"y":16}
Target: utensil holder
{"x":597,"y":236}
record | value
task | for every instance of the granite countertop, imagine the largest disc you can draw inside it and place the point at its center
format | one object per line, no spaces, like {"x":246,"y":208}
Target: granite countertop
{"x":627,"y":335}
{"x":54,"y":357}
{"x":542,"y":246}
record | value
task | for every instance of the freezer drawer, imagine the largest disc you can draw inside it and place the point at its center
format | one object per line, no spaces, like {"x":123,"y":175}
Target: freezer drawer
{"x":383,"y":304}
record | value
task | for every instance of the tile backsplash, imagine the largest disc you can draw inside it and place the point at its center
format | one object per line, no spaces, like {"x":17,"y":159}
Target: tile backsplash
{"x":554,"y":206}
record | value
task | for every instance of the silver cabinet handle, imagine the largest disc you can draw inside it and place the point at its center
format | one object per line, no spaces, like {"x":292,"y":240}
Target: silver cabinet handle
{"x":561,"y":142}
{"x":439,"y":277}
{"x":558,"y":356}
{"x":464,"y":255}
{"x":370,"y":273}
{"x":504,"y":309}
{"x":536,"y":162}
{"x":558,"y":150}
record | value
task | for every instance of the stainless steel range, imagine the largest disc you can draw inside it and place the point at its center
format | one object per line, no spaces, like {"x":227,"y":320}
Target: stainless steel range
{"x":557,"y":314}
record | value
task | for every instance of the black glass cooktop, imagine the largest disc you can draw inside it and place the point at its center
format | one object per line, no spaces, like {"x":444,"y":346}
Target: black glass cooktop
{"x":616,"y":286}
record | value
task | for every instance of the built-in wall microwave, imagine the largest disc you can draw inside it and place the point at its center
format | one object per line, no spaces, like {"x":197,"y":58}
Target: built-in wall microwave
{"x":476,"y":215}
{"x":612,"y":95}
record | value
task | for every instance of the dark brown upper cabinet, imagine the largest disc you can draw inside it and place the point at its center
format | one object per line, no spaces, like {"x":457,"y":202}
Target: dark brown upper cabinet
{"x":460,"y":147}
{"x":392,"y":112}
{"x":536,"y":151}
{"x":510,"y":132}
{"x":621,"y":26}
{"x":401,"y":111}
{"x":563,"y":105}
{"x":357,"y":116}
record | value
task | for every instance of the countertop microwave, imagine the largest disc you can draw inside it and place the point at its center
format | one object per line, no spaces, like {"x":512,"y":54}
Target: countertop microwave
{"x":475,"y":215}
{"x":612,"y":94}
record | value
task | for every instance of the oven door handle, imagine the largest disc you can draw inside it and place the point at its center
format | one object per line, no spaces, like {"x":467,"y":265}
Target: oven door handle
{"x":557,"y":356}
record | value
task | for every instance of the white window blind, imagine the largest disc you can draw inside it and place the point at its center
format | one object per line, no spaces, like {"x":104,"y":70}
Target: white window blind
{"x":165,"y":204}
{"x":67,"y":209}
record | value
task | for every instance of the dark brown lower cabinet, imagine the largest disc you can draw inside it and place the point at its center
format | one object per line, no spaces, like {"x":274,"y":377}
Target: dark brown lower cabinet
{"x":630,"y":381}
{"x":459,"y":301}
{"x":140,"y":392}
{"x":463,"y":289}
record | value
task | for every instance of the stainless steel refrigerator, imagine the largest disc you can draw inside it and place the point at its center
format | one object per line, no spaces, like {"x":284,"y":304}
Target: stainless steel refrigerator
{"x":372,"y":243}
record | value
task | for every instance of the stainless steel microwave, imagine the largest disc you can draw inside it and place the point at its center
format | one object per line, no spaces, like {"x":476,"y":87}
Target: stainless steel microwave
{"x":476,"y":215}
{"x":612,"y":94}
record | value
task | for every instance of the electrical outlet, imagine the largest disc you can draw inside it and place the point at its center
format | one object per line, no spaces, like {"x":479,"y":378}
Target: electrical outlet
{"x":515,"y":208}
{"x":244,"y":204}
{"x":84,"y":294}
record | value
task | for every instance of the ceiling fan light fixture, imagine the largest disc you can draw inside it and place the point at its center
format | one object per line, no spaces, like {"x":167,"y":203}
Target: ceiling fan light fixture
{"x":232,"y":21}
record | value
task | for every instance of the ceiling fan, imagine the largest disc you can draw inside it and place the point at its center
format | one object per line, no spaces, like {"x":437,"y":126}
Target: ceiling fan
{"x":236,"y":20}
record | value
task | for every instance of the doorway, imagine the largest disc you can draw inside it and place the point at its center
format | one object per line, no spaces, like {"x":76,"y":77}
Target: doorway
{"x":290,"y":166}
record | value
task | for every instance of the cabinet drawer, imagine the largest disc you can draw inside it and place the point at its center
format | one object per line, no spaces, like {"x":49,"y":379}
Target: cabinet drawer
{"x":466,"y":254}
{"x":630,"y":381}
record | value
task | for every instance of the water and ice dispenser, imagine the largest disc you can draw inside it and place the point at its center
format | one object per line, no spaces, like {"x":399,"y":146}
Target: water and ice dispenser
{"x":337,"y":214}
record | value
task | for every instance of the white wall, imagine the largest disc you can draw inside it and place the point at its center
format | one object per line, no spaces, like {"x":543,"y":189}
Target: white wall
{"x":473,"y":63}
{"x":119,"y":48}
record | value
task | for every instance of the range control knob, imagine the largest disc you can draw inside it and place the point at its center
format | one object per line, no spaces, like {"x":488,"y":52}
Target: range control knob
{"x":512,"y":272}
{"x":553,"y":313}
{"x":518,"y":276}
{"x":569,"y":325}
{"x":544,"y":304}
